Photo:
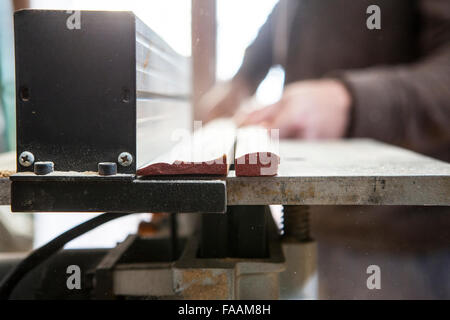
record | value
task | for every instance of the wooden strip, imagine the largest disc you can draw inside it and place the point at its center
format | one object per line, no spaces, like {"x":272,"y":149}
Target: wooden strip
{"x":208,"y":151}
{"x":256,"y":153}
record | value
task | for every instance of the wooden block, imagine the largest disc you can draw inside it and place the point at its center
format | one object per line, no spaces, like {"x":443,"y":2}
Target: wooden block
{"x":208,"y":151}
{"x":256,"y":153}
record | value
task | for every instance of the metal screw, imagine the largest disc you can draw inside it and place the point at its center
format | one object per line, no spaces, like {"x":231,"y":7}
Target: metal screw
{"x":125,"y":159}
{"x":26,"y":159}
{"x":296,"y":223}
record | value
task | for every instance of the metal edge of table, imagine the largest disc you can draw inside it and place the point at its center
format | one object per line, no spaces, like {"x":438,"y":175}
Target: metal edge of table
{"x":357,"y":190}
{"x":388,"y":190}
{"x":407,"y":179}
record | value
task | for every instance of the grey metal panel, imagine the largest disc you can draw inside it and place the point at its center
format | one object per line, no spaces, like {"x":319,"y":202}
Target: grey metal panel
{"x":162,"y":89}
{"x":158,"y":123}
{"x":152,"y":37}
{"x":144,"y":280}
{"x":353,"y":172}
{"x":160,"y":70}
{"x":149,"y":56}
{"x":154,"y":83}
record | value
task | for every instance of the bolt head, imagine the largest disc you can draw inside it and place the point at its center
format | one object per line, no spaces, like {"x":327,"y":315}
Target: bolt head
{"x":107,"y":168}
{"x":26,"y":159}
{"x":125,"y":159}
{"x":43,"y":167}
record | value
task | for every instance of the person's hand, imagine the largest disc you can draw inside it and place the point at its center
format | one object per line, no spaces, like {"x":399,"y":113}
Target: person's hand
{"x":316,"y":109}
{"x":223,"y":100}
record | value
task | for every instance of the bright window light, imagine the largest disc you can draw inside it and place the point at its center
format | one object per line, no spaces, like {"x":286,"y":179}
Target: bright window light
{"x":238,"y":23}
{"x":171,"y":19}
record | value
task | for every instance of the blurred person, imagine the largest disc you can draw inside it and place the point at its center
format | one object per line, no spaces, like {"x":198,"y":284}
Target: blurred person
{"x":344,"y":79}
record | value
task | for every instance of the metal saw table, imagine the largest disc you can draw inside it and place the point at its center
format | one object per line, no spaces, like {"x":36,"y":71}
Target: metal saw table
{"x":352,"y":172}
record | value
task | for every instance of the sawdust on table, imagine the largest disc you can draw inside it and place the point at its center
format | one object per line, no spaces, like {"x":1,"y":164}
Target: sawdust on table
{"x":6,"y":173}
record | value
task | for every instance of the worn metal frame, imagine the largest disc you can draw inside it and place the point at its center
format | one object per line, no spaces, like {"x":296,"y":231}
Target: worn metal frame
{"x":241,"y":232}
{"x":140,"y":267}
{"x":346,"y":172}
{"x":310,"y":174}
{"x":87,"y":93}
{"x":114,"y":194}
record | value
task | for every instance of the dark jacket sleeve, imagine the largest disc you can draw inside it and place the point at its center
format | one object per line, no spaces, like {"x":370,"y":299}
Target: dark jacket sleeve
{"x":258,"y":56}
{"x":408,"y":104}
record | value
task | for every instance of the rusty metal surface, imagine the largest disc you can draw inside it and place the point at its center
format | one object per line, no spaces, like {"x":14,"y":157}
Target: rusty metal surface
{"x":228,"y":278}
{"x":352,"y":172}
{"x":5,"y":193}
{"x":7,"y":167}
{"x":191,"y":277}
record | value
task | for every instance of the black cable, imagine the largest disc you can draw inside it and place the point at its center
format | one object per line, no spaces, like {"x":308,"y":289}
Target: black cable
{"x":41,"y":254}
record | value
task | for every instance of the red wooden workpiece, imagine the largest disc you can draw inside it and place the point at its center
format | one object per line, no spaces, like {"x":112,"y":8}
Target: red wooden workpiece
{"x":186,"y":168}
{"x":209,"y":151}
{"x":256,"y":153}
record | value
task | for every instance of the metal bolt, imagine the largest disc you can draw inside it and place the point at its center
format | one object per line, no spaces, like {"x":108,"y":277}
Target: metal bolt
{"x":26,"y":159}
{"x":43,"y":167}
{"x":125,"y":159}
{"x":107,"y":168}
{"x":296,"y":223}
